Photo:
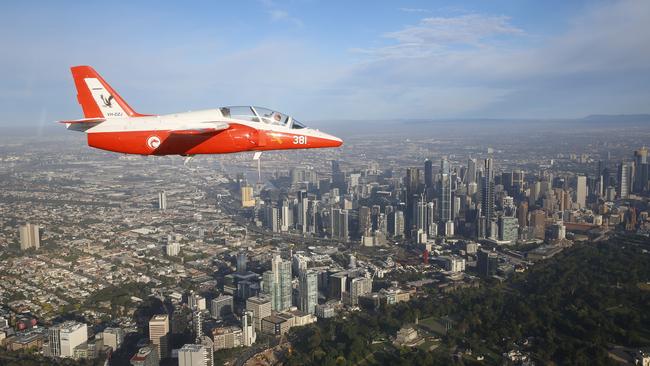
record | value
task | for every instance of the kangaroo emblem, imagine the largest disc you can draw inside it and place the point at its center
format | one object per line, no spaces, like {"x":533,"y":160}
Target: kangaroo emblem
{"x":108,"y":102}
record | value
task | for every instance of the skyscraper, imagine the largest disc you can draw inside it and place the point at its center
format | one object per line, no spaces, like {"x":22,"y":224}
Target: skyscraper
{"x":624,"y":180}
{"x":641,"y":170}
{"x":487,"y":196}
{"x":581,"y":191}
{"x":538,"y":223}
{"x":29,"y":236}
{"x":470,"y":176}
{"x":159,"y":334}
{"x":444,"y":192}
{"x":308,"y":291}
{"x":277,"y":283}
{"x":339,"y":224}
{"x":522,"y":214}
{"x":428,"y":173}
{"x":412,"y":189}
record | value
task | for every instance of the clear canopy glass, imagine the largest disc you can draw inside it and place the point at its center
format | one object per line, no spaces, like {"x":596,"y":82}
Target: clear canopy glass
{"x":260,"y":114}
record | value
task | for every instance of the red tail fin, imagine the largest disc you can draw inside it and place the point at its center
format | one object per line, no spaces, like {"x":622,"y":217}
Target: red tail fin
{"x":96,"y":96}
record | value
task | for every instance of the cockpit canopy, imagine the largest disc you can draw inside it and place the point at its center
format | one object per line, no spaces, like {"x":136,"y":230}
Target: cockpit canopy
{"x":260,"y":114}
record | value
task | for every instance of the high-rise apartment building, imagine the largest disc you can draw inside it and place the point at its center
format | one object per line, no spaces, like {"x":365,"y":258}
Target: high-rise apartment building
{"x":308,"y":291}
{"x":277,"y":283}
{"x":581,"y":191}
{"x":29,"y":236}
{"x":195,"y":355}
{"x":248,"y":328}
{"x":247,"y":198}
{"x":624,"y":173}
{"x":162,"y":200}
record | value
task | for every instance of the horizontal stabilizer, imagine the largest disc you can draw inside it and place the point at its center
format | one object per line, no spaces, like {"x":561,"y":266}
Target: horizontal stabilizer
{"x":83,"y":124}
{"x":84,"y":120}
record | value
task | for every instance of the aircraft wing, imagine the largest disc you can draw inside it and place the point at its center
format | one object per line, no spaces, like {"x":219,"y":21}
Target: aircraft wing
{"x":201,"y":128}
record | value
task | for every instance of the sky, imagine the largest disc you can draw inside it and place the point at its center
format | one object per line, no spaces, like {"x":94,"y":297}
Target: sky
{"x":331,"y":60}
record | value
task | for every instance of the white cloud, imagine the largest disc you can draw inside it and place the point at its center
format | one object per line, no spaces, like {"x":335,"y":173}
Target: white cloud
{"x":599,"y":64}
{"x":469,"y":28}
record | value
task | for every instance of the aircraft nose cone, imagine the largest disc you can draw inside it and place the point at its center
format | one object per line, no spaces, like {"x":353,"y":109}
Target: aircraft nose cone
{"x":335,"y":141}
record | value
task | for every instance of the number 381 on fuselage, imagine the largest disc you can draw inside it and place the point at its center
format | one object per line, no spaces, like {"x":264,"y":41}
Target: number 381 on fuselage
{"x":111,"y":124}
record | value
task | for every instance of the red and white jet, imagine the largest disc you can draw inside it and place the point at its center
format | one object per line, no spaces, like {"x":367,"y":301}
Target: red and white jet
{"x":111,"y":124}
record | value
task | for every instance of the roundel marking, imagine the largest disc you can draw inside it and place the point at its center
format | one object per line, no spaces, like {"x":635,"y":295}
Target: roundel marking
{"x":153,"y":142}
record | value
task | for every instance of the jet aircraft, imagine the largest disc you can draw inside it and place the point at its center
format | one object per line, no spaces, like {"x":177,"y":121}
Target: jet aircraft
{"x":111,"y":124}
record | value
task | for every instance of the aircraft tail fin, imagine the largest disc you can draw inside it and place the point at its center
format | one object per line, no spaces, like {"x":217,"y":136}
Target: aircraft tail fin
{"x":97,"y":98}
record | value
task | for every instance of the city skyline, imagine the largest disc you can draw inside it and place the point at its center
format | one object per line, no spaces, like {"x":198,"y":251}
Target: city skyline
{"x":490,"y":204}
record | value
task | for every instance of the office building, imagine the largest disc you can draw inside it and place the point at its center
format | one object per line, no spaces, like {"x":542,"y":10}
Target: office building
{"x":113,"y":337}
{"x":522,"y":214}
{"x":64,"y":337}
{"x":508,"y":229}
{"x":261,"y":307}
{"x":159,"y":334}
{"x":428,"y":174}
{"x":641,"y":171}
{"x":221,"y":306}
{"x":538,"y":223}
{"x":242,"y":259}
{"x":470,"y":176}
{"x":340,"y":224}
{"x":486,"y":263}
